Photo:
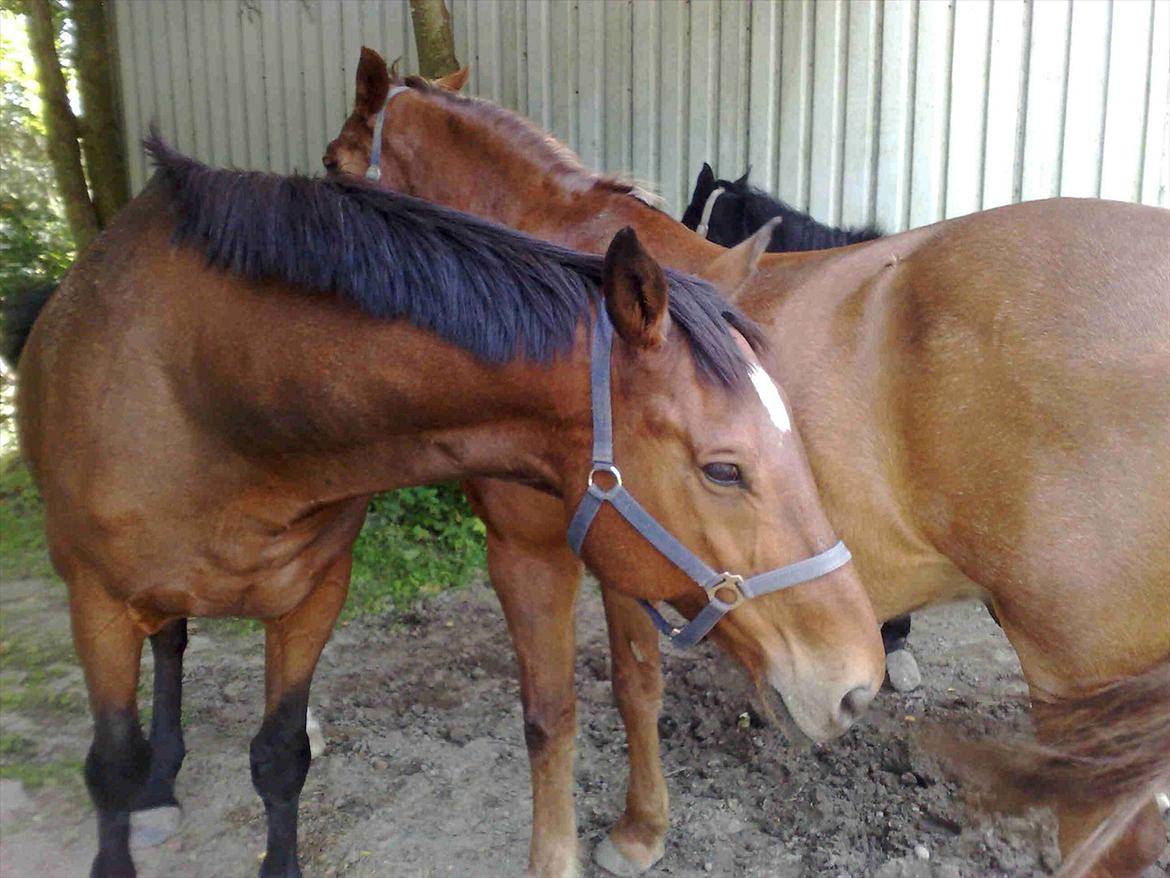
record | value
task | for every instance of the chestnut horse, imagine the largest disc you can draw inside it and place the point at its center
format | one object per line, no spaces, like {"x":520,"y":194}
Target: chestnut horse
{"x":234,"y":366}
{"x":984,"y":406}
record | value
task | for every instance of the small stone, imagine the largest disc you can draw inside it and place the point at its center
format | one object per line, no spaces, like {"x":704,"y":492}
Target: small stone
{"x":902,"y":671}
{"x":708,"y":866}
{"x":909,"y":778}
{"x":921,"y":852}
{"x":316,"y":736}
{"x":379,"y":764}
{"x":743,"y":721}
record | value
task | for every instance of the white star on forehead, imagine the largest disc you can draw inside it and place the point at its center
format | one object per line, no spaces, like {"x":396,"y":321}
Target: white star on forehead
{"x":770,"y":397}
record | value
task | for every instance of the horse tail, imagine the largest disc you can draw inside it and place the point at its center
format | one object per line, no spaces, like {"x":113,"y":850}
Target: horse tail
{"x":1110,"y":744}
{"x":19,"y":313}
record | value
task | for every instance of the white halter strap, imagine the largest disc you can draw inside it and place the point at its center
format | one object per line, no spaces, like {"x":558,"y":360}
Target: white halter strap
{"x":374,"y":171}
{"x":707,"y":209}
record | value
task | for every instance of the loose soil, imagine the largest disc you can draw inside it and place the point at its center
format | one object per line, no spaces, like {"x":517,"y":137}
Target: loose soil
{"x":426,"y":775}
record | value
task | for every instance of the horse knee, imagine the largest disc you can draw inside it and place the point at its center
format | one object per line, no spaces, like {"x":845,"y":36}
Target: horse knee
{"x":279,"y":756}
{"x":118,"y":761}
{"x":544,"y":725}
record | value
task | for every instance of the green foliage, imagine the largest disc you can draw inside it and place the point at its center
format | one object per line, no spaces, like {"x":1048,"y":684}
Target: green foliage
{"x":22,"y":523}
{"x":415,"y":542}
{"x":34,"y":238}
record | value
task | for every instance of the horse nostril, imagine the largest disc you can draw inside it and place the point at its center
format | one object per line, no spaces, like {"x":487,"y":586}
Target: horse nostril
{"x":329,"y":162}
{"x":853,"y":705}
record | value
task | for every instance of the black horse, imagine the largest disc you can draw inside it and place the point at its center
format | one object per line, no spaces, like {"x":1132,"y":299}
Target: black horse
{"x":727,"y":213}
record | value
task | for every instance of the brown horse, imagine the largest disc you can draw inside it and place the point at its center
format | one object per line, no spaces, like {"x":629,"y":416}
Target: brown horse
{"x":240,"y":360}
{"x":984,"y":406}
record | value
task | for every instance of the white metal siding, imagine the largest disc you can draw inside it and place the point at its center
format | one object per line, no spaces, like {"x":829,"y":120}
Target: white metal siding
{"x":898,"y":112}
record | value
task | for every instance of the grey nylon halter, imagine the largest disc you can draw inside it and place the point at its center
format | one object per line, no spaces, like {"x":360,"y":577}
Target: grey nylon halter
{"x":374,"y":171}
{"x":714,"y":584}
{"x":708,"y":207}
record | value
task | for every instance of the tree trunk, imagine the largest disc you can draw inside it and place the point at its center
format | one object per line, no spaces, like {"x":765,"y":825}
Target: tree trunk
{"x":432,"y":36}
{"x":60,"y":124}
{"x":101,"y":136}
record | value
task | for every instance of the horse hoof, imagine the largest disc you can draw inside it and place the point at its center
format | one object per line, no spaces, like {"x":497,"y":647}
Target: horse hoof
{"x":608,"y":857}
{"x":902,"y":671}
{"x":154,"y":826}
{"x":316,"y":736}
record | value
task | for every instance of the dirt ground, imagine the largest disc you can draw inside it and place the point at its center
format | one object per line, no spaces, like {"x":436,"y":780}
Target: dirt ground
{"x":425,"y":772}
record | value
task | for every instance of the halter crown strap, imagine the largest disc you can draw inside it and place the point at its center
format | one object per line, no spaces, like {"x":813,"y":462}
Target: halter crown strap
{"x":374,"y":171}
{"x":708,"y":207}
{"x":725,"y":591}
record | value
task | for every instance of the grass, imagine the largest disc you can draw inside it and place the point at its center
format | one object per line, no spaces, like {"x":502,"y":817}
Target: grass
{"x":22,"y":523}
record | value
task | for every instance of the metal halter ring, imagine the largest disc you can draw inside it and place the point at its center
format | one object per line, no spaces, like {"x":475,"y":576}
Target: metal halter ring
{"x":727,"y":581}
{"x":605,"y":468}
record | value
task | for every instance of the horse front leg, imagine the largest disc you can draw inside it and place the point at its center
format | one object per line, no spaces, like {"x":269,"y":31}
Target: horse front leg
{"x":537,"y":586}
{"x":279,"y":753}
{"x":109,"y":645}
{"x":637,"y":840}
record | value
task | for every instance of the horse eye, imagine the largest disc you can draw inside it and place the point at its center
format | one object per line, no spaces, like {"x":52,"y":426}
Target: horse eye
{"x":723,"y":473}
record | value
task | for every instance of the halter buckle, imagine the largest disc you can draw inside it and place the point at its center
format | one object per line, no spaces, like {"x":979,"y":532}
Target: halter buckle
{"x":732,"y":582}
{"x":604,"y":468}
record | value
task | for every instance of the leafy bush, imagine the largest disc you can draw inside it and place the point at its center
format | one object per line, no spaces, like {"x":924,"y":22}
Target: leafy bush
{"x":415,"y":542}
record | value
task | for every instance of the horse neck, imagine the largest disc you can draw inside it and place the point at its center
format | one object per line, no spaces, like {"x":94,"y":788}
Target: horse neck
{"x":484,"y":172}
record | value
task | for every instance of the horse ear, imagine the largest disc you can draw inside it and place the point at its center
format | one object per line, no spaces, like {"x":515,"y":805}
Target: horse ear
{"x":742,"y":181}
{"x":732,"y":269}
{"x":706,"y":178}
{"x":395,"y":76}
{"x":373,"y":83}
{"x":636,"y":296}
{"x":454,"y":81}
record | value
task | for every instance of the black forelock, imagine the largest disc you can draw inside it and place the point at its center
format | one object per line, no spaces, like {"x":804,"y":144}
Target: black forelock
{"x":491,"y":290}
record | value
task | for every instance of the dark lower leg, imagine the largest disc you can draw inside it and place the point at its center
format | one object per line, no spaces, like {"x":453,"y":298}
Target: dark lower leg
{"x":280,"y":752}
{"x":166,"y":728}
{"x":895,"y":632}
{"x":115,"y":772}
{"x":280,"y":763}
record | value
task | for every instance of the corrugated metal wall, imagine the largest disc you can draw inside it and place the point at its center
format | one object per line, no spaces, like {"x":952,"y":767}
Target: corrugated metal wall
{"x":900,"y":112}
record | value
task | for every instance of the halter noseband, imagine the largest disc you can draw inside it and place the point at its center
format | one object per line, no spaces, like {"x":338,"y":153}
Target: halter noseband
{"x":374,"y":171}
{"x":708,"y":207}
{"x":725,"y":591}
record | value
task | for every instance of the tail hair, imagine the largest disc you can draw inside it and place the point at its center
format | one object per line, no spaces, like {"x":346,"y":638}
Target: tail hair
{"x":1110,"y":744}
{"x":19,"y":311}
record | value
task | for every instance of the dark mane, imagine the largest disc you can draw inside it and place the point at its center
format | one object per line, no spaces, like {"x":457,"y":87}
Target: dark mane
{"x":798,"y":230}
{"x":493,"y":291}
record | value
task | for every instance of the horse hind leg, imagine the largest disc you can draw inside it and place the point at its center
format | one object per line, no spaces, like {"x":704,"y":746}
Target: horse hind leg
{"x":156,"y":813}
{"x":109,"y":645}
{"x":280,"y":754}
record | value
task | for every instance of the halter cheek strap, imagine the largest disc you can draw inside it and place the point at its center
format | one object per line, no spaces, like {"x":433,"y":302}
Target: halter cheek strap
{"x":725,"y":591}
{"x":708,"y":207}
{"x":374,"y":171}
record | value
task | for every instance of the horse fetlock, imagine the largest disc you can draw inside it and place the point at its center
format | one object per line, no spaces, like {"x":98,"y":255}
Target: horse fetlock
{"x":559,"y":862}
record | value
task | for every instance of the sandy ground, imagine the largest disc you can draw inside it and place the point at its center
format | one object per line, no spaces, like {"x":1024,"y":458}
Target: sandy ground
{"x":426,"y":775}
